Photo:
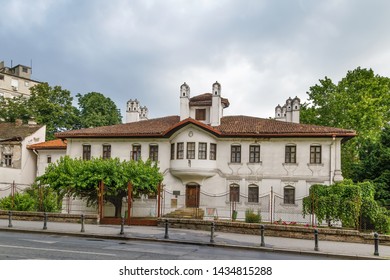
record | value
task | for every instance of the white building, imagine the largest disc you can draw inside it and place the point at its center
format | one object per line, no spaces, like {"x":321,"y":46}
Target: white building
{"x":15,"y":81}
{"x":17,"y":163}
{"x":219,"y":163}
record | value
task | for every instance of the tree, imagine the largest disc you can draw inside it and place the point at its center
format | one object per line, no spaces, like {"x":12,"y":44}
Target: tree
{"x":97,"y":110}
{"x":14,"y":108}
{"x":52,"y":106}
{"x":80,"y":178}
{"x":360,"y":101}
{"x":347,"y":202}
{"x":374,"y":165}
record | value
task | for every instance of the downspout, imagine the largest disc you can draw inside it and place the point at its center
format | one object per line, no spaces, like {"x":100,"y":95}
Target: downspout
{"x":330,"y":159}
{"x":36,"y":165}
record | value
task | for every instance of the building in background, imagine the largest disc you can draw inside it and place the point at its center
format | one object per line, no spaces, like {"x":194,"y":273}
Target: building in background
{"x":15,"y":80}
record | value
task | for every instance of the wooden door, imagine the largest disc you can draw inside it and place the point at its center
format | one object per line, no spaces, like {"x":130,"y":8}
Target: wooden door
{"x":192,"y":196}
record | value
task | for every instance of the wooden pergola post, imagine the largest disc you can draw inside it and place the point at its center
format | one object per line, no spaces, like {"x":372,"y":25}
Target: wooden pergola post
{"x":101,"y":199}
{"x":129,"y":201}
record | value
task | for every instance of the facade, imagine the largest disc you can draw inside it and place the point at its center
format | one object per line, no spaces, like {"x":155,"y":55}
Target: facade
{"x":15,"y":81}
{"x":223,"y":164}
{"x":47,"y":152}
{"x":17,"y":163}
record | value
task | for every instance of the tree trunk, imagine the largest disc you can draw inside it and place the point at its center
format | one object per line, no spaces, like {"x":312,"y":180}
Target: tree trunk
{"x":117,"y":202}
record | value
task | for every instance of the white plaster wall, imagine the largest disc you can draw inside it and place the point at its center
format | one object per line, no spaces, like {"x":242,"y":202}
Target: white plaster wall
{"x":42,"y":159}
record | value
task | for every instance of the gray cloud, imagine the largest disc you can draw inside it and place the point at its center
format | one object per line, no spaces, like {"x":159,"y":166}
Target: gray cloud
{"x":261,"y":52}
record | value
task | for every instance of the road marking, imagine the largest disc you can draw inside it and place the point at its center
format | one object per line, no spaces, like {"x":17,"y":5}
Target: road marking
{"x":57,"y":250}
{"x":40,"y":241}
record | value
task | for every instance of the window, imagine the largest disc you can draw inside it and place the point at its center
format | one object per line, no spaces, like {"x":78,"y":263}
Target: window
{"x":253,"y":194}
{"x":291,"y":154}
{"x":180,"y":150}
{"x":254,"y":153}
{"x":7,"y":160}
{"x":24,"y":69}
{"x":106,"y":151}
{"x":202,"y":153}
{"x":200,"y":114}
{"x":136,"y":153}
{"x":289,"y":195}
{"x":86,"y":152}
{"x":213,"y":151}
{"x":173,"y":151}
{"x":315,"y":154}
{"x":190,"y":150}
{"x":234,"y":193}
{"x":153,"y":152}
{"x":48,"y":159}
{"x":235,"y":154}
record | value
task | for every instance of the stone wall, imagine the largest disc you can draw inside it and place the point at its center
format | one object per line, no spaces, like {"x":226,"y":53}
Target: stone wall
{"x":290,"y":231}
{"x":53,"y":217}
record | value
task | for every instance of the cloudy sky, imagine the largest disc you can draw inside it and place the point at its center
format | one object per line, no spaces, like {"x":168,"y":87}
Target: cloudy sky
{"x":261,"y":51}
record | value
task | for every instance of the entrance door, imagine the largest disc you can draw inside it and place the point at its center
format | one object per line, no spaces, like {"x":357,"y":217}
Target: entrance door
{"x":192,"y":196}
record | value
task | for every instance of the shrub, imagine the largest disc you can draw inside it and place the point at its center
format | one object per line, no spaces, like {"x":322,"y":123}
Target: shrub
{"x":252,"y":217}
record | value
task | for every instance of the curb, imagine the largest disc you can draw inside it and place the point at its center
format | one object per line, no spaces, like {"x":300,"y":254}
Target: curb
{"x":199,"y":243}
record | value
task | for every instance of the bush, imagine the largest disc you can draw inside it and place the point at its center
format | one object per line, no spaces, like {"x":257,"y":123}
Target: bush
{"x":32,"y":199}
{"x":252,"y":217}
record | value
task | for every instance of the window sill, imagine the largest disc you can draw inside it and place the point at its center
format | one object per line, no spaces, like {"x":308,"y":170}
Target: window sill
{"x":255,"y":163}
{"x":290,"y":164}
{"x":316,"y":164}
{"x":289,"y":205}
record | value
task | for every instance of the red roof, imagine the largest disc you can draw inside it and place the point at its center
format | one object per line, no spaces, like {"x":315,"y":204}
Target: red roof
{"x":231,"y":126}
{"x":49,"y":145}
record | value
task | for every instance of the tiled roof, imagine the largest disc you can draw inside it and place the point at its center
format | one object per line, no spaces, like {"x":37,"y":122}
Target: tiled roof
{"x":231,"y":126}
{"x":145,"y":128}
{"x":251,"y":126}
{"x":14,"y":131}
{"x":57,"y":144}
{"x":206,"y":100}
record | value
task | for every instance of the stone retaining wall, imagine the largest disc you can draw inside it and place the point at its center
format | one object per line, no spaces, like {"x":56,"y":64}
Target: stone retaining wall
{"x":53,"y":217}
{"x":290,"y":231}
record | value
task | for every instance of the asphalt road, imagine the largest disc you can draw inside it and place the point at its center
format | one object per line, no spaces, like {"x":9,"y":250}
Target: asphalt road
{"x":16,"y":246}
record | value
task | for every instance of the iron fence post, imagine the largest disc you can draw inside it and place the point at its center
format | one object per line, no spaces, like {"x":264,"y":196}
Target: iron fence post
{"x":45,"y":220}
{"x":9,"y":218}
{"x":122,"y":225}
{"x":212,"y":232}
{"x":82,"y":223}
{"x":166,"y":236}
{"x":262,"y":244}
{"x":376,"y":244}
{"x":316,"y":240}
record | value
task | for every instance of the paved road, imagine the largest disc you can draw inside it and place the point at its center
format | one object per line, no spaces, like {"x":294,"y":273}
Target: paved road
{"x":15,"y":246}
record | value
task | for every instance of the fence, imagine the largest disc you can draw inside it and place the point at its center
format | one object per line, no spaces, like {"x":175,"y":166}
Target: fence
{"x":270,"y":205}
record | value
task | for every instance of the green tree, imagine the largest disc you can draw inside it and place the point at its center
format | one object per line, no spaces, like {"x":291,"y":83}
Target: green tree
{"x":374,"y":165}
{"x":97,"y":110}
{"x":80,"y":178}
{"x":14,"y":108}
{"x":347,"y":202}
{"x":52,"y":106}
{"x":360,"y":101}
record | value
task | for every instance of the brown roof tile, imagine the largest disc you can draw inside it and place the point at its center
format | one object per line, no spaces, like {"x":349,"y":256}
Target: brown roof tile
{"x":57,"y":144}
{"x":14,"y":131}
{"x":206,"y":100}
{"x":231,"y":126}
{"x":146,"y":128}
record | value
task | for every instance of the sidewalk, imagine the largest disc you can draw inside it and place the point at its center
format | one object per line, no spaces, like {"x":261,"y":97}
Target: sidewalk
{"x":223,"y":239}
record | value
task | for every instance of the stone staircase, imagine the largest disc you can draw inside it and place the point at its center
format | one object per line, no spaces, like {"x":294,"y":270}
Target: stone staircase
{"x":186,"y":213}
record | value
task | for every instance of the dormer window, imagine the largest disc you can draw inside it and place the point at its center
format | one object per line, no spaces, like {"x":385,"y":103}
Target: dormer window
{"x":200,"y":114}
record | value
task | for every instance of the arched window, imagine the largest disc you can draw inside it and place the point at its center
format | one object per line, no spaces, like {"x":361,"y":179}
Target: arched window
{"x":234,"y":193}
{"x":253,"y":194}
{"x":289,"y":195}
